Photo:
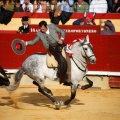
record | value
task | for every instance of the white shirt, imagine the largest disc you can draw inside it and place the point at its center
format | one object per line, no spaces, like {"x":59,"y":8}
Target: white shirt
{"x":29,"y":7}
{"x":48,"y":32}
{"x":25,"y":26}
{"x":98,"y":6}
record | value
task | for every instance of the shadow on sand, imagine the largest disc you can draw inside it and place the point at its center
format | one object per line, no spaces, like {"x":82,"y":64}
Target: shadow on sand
{"x":37,"y":99}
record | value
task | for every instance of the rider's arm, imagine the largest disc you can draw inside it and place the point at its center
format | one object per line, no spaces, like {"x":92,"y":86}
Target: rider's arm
{"x":34,"y":41}
{"x":62,"y":32}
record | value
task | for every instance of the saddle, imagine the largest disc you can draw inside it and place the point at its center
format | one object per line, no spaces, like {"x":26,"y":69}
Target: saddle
{"x":50,"y":60}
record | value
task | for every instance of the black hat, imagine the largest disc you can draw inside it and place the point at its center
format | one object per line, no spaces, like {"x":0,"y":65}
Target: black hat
{"x":18,"y":46}
{"x":107,"y":23}
{"x":25,"y":18}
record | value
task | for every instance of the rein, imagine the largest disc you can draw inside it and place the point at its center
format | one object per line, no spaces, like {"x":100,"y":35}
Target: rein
{"x":78,"y":66}
{"x":91,"y":49}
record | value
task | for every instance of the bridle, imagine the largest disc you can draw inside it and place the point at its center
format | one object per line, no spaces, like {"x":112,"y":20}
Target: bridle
{"x":85,"y":54}
{"x":89,"y":45}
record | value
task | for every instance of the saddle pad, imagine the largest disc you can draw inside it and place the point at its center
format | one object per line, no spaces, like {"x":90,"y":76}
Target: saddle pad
{"x":51,"y":62}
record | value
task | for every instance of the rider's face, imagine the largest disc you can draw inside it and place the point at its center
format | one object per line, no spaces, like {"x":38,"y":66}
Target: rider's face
{"x":43,"y":29}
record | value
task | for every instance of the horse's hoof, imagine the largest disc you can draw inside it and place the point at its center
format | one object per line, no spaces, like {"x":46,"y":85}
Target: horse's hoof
{"x":85,"y":87}
{"x":57,"y":105}
{"x":62,"y":103}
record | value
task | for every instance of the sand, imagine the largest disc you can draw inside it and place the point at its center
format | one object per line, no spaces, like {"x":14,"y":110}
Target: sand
{"x":26,"y":103}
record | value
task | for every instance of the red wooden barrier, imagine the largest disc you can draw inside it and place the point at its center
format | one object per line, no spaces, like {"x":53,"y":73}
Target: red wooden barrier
{"x":106,"y":48}
{"x":114,"y":82}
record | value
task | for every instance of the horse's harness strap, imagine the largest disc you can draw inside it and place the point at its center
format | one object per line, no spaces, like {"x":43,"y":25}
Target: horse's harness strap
{"x":91,"y":49}
{"x":78,"y":66}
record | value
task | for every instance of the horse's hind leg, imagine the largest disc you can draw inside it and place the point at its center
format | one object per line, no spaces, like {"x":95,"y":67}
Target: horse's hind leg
{"x":90,"y":84}
{"x":43,"y":89}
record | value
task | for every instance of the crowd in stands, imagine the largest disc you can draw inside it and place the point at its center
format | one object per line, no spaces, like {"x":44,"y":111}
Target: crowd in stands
{"x":63,"y":9}
{"x":42,"y":6}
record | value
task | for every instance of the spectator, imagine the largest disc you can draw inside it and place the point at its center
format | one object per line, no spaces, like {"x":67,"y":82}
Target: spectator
{"x":98,"y":6}
{"x":40,"y":6}
{"x":67,"y":10}
{"x":7,"y":4}
{"x":116,"y":6}
{"x":81,"y":6}
{"x":54,"y":5}
{"x":109,"y":28}
{"x":25,"y":25}
{"x":54,"y":9}
{"x":67,"y":5}
{"x":88,"y":20}
{"x":110,"y":5}
{"x":88,"y":1}
{"x":18,"y":6}
{"x":27,"y":6}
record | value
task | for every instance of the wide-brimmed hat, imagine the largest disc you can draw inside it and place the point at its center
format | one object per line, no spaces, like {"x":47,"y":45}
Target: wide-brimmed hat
{"x":18,"y":46}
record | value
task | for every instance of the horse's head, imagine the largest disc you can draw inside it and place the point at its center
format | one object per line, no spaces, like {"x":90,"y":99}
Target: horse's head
{"x":84,"y":49}
{"x":88,"y":50}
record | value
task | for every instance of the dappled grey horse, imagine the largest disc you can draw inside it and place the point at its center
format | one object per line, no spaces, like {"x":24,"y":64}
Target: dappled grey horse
{"x":35,"y":67}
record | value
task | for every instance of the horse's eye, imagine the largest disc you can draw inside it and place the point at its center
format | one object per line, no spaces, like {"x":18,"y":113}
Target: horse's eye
{"x":85,"y":48}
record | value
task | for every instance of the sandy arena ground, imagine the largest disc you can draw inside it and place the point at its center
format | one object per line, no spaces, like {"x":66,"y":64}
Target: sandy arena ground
{"x":26,"y":103}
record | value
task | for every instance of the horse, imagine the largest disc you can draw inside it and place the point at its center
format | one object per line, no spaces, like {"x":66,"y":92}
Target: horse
{"x":35,"y":67}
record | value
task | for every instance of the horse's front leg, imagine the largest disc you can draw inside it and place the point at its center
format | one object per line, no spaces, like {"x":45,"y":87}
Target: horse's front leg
{"x":73,"y":94}
{"x":90,"y":84}
{"x":42,"y":89}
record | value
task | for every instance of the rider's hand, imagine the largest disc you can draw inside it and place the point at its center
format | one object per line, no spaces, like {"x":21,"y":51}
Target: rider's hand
{"x":23,"y":42}
{"x":60,"y":41}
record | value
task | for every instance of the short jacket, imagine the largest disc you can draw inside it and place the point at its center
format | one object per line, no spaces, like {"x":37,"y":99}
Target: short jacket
{"x":48,"y":39}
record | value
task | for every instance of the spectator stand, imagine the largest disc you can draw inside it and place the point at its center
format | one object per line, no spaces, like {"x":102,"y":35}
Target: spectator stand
{"x":35,"y":18}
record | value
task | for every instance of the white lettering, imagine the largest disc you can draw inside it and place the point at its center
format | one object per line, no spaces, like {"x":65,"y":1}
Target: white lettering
{"x":34,"y":29}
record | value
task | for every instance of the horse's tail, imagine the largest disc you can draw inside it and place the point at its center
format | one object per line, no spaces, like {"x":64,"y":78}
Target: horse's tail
{"x":17,"y":79}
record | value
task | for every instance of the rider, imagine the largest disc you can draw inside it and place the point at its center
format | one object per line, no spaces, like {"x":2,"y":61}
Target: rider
{"x":48,"y":34}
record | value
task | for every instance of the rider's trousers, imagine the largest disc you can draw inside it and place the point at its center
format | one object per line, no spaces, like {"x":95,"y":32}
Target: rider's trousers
{"x":56,"y":50}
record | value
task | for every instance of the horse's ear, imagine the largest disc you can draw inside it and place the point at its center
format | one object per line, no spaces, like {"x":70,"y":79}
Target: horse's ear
{"x":87,"y":39}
